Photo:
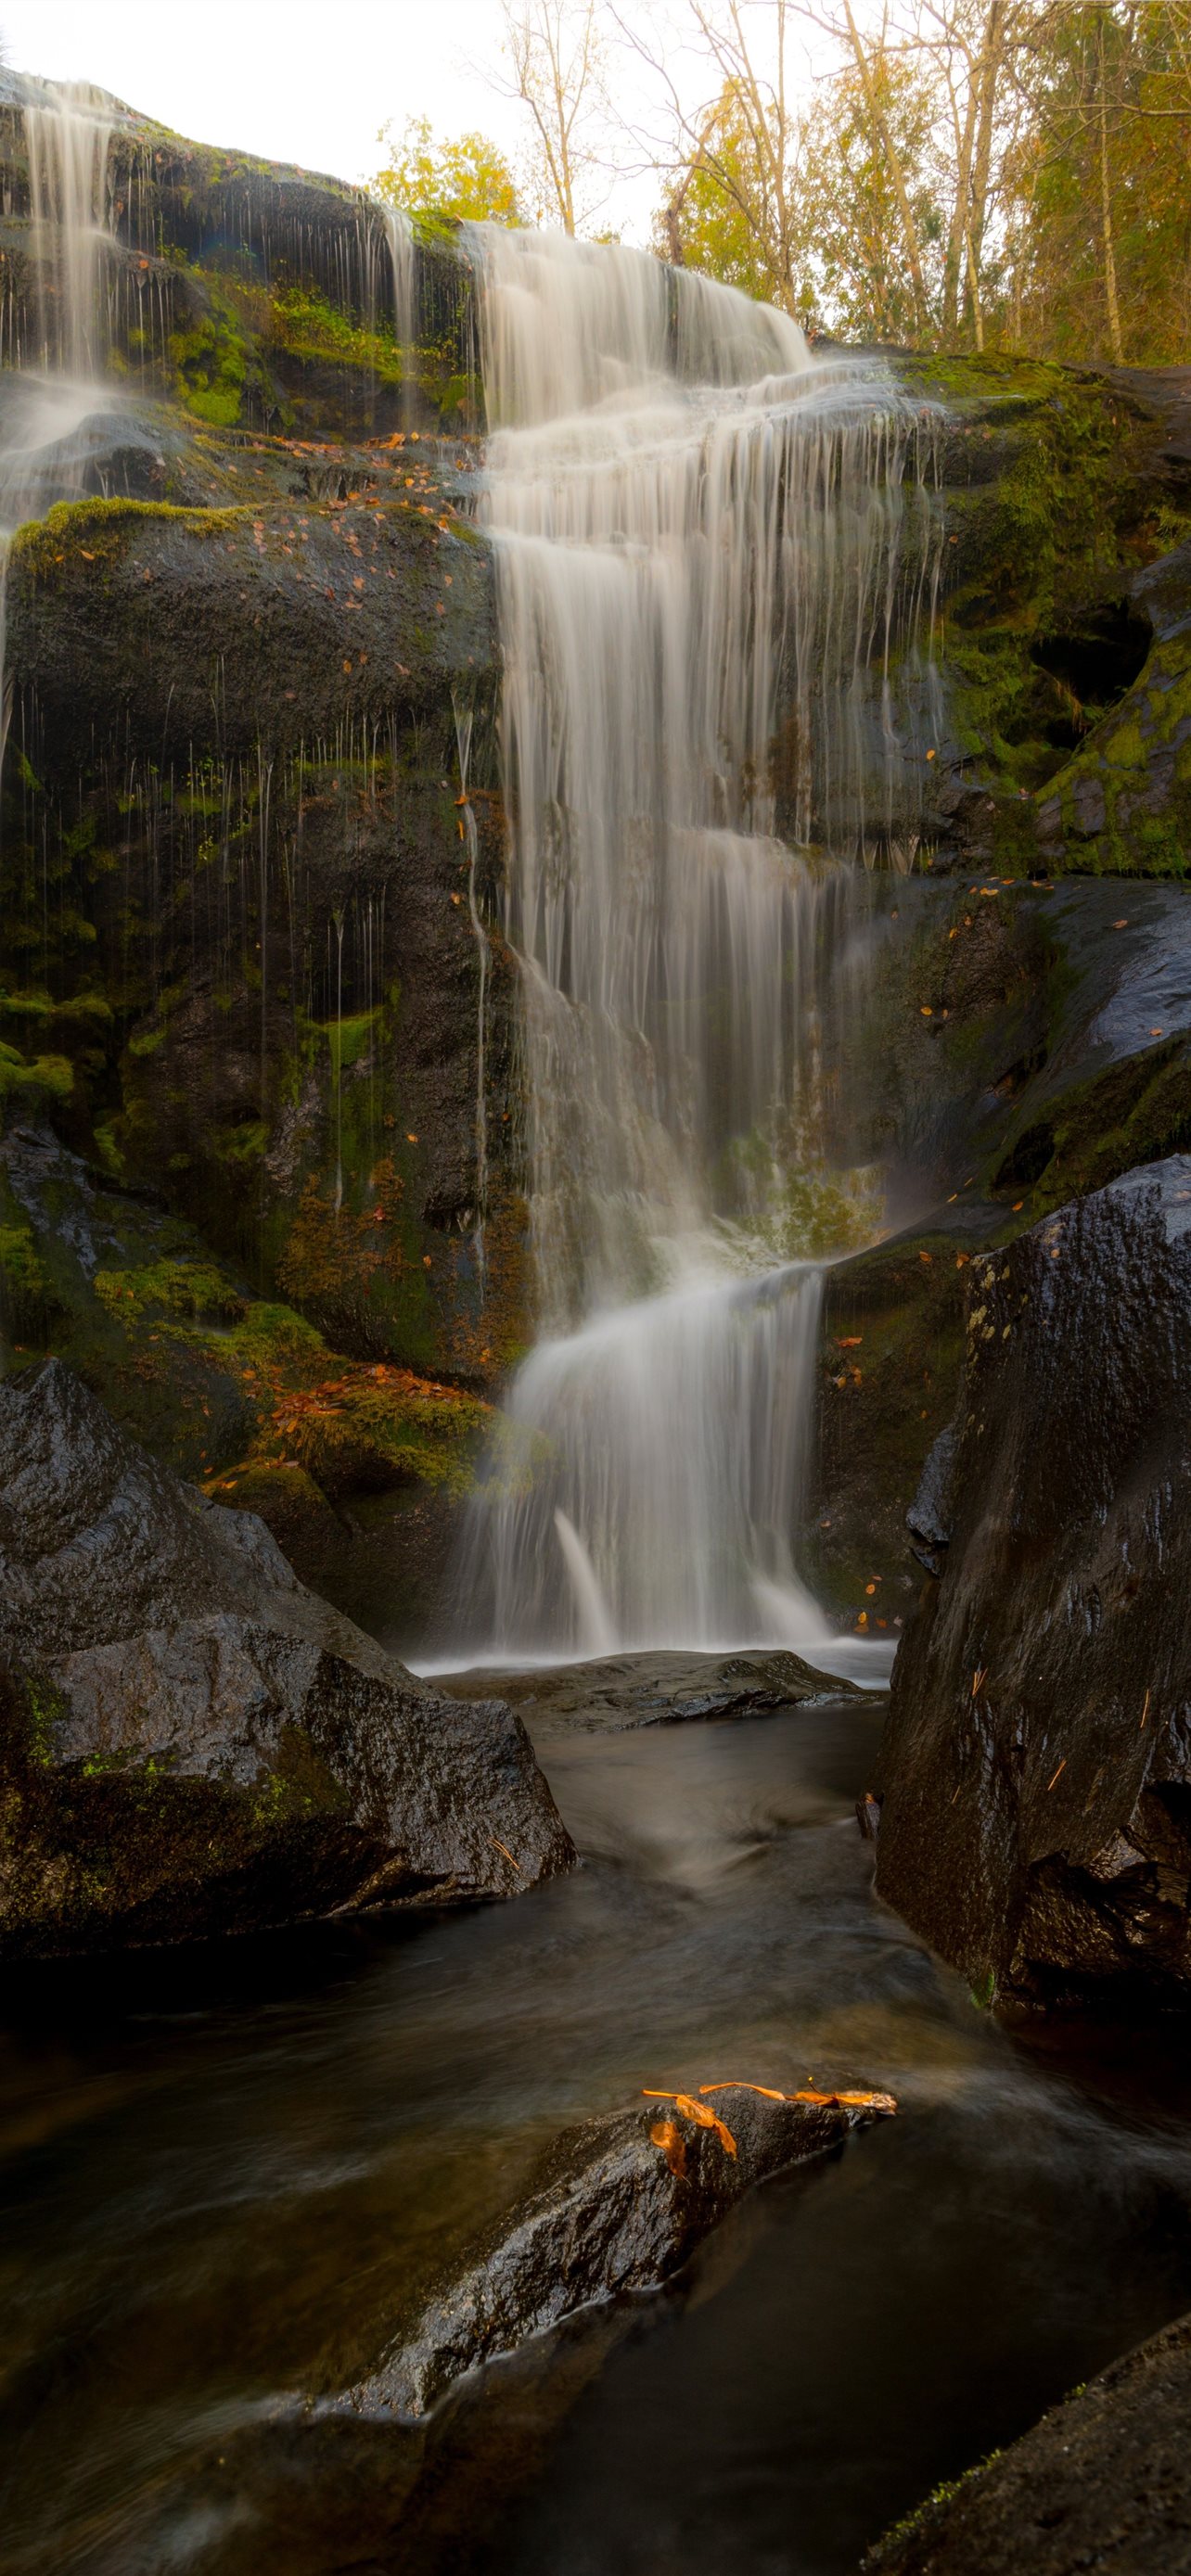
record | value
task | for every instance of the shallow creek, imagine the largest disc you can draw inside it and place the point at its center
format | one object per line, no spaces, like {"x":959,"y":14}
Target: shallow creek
{"x":225,"y":2175}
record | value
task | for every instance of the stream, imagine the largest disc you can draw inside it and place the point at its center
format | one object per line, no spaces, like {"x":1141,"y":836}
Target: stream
{"x":227,"y":2172}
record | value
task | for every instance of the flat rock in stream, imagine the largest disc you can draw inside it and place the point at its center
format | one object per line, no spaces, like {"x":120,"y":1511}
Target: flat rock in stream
{"x":619,"y":2204}
{"x":1104,"y":2480}
{"x":192,"y":1743}
{"x":618,"y":1692}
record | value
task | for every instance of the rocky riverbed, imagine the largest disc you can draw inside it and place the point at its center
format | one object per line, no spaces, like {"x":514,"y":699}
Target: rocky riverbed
{"x":242,"y":2170}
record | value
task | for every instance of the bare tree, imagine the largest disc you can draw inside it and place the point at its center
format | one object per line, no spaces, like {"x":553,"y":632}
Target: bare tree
{"x":973,"y":45}
{"x":555,"y":69}
{"x":867,"y":59}
{"x":746,"y":136}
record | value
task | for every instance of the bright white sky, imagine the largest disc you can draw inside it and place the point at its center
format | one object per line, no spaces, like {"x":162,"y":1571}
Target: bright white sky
{"x":292,"y":80}
{"x":299,"y":81}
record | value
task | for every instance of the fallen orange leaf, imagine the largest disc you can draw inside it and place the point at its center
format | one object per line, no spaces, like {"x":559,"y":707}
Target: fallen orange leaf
{"x":696,"y":2111}
{"x":738,"y":2085}
{"x":809,"y":2093}
{"x":667,"y":2135}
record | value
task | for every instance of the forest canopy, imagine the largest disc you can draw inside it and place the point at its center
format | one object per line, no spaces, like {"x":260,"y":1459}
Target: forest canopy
{"x":948,"y":174}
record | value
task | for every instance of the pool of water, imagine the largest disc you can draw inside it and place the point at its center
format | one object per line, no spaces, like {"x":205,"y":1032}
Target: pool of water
{"x":227,"y":2175}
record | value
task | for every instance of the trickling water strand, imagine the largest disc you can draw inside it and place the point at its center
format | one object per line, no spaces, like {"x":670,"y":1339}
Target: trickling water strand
{"x":403,"y":261}
{"x":463,"y":733}
{"x":337,"y":919}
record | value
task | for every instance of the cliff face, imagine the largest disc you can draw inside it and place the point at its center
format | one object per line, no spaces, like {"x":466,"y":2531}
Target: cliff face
{"x":245,"y":933}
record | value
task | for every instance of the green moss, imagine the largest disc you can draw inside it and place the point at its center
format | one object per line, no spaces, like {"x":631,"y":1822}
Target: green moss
{"x":45,"y":1707}
{"x":49,"y":1077}
{"x":349,"y":1039}
{"x":21,"y":1272}
{"x":74,"y":530}
{"x":271,"y":1336}
{"x":933,"y":2506}
{"x":213,"y":361}
{"x":194,"y":1288}
{"x":306,"y":326}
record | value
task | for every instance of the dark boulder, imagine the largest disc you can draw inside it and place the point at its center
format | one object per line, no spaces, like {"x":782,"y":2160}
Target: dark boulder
{"x":1103,"y":2481}
{"x":619,"y":2204}
{"x":1036,"y":1764}
{"x":192,"y":1743}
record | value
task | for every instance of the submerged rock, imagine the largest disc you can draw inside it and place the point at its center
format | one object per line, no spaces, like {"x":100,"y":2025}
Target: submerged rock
{"x":1103,"y":2481}
{"x":619,"y":2204}
{"x":618,"y":1692}
{"x":192,"y":1743}
{"x":1036,"y":1763}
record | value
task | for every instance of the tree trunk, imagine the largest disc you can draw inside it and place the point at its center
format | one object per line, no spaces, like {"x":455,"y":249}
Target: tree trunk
{"x":1110,"y":265}
{"x":883,"y":136}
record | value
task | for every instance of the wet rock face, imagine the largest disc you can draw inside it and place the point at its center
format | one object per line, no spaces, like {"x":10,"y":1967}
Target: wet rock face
{"x":619,"y":2205}
{"x":621,"y":1692}
{"x":1036,"y":1764}
{"x":1103,"y":2481}
{"x":192,"y":1743}
{"x":1069,"y":715}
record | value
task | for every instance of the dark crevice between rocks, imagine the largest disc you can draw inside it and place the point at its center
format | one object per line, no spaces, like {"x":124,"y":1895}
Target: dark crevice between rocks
{"x":1098,"y":656}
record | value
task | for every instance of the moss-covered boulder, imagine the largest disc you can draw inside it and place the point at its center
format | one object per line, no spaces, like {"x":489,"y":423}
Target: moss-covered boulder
{"x":190,"y":1742}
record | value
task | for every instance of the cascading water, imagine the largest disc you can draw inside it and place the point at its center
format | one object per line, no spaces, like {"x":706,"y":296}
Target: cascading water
{"x":67,"y":138}
{"x":68,"y":133}
{"x":711,"y":550}
{"x":403,"y":263}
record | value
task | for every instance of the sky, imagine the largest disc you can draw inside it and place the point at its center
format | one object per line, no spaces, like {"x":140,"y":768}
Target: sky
{"x":289,"y":80}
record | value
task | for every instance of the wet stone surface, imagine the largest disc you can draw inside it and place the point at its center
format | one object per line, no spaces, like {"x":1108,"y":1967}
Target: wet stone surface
{"x":624,"y":1691}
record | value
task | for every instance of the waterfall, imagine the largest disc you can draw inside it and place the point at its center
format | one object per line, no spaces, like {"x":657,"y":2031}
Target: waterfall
{"x":714,"y":554}
{"x":67,"y":134}
{"x":403,"y":264}
{"x":67,"y":138}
